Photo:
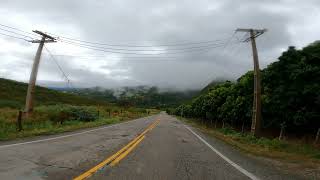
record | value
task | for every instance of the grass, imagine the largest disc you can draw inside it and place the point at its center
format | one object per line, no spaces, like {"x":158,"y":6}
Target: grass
{"x":56,"y":111}
{"x":48,"y":127}
{"x":305,"y":154}
{"x":62,"y":118}
{"x":13,"y":94}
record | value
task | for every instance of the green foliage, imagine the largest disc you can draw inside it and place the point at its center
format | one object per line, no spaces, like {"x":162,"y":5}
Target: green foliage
{"x":10,"y":104}
{"x":270,"y":144}
{"x":61,"y":113}
{"x":50,"y":119}
{"x":290,"y":95}
{"x":291,"y":89}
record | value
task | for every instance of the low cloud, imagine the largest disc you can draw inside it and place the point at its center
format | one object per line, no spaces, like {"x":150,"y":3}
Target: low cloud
{"x":152,"y":23}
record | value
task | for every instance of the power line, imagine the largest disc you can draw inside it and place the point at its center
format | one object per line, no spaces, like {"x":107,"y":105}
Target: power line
{"x":87,"y":44}
{"x":14,"y":37}
{"x":19,"y":30}
{"x":66,"y":77}
{"x":119,"y":52}
{"x":236,"y":47}
{"x":12,"y":32}
{"x":121,"y":57}
{"x":127,"y":58}
{"x":155,"y":48}
{"x":134,"y":46}
{"x":227,"y":43}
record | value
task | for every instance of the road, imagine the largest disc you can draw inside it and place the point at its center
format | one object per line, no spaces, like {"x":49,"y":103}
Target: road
{"x":155,"y":147}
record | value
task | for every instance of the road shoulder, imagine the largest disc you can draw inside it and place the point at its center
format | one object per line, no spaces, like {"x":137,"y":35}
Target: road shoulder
{"x":264,"y":167}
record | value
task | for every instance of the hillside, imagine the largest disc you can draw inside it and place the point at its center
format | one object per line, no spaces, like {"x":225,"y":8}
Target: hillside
{"x":12,"y":94}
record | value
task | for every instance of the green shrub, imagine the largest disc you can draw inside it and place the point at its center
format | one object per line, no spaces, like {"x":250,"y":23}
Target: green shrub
{"x":62,"y":113}
{"x":228,"y":131}
{"x":82,"y":113}
{"x":6,"y":128}
{"x":10,"y":104}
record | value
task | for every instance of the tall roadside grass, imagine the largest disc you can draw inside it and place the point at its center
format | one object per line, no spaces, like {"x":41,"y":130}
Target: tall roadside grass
{"x":61,"y":118}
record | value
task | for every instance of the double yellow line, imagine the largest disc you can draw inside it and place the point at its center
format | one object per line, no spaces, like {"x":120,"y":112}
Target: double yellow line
{"x":118,"y":156}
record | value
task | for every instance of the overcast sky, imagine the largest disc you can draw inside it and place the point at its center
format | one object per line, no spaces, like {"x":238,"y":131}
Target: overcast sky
{"x":151,"y":23}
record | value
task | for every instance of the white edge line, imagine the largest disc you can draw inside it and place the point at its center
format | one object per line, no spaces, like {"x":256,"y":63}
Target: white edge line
{"x":239,"y":168}
{"x":60,"y":137}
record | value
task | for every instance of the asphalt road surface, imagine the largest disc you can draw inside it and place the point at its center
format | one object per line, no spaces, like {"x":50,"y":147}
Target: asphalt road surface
{"x":155,"y":147}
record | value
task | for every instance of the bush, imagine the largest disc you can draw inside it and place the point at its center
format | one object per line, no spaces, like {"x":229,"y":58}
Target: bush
{"x":82,"y":113}
{"x":10,"y":104}
{"x":61,"y":113}
{"x":6,"y":127}
{"x":228,"y":131}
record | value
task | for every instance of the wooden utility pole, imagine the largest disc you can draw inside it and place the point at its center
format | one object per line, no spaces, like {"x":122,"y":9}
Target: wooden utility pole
{"x":33,"y":77}
{"x":256,"y":109}
{"x":181,"y":114}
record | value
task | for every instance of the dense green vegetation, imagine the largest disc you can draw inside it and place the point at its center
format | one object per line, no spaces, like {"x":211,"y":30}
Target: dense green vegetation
{"x":13,"y":94}
{"x":290,"y":96}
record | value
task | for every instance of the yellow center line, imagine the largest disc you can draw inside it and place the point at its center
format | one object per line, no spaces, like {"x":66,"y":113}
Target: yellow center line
{"x":116,"y":161}
{"x":124,"y":150}
{"x":156,"y":123}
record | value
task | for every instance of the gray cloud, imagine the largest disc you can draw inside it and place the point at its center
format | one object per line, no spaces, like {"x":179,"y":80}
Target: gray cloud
{"x":154,"y":23}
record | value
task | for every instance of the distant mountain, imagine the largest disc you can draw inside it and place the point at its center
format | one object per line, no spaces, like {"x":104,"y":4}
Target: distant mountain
{"x":141,"y":96}
{"x":13,"y":93}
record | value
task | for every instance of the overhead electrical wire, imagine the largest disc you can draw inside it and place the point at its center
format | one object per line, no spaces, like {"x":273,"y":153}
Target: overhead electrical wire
{"x":14,"y":36}
{"x":228,"y":42}
{"x":159,"y":49}
{"x":149,"y":54}
{"x":110,"y":57}
{"x":16,"y":29}
{"x":135,"y":46}
{"x":66,"y":77}
{"x":155,"y":48}
{"x":123,"y":58}
{"x":235,"y":49}
{"x":15,"y":33}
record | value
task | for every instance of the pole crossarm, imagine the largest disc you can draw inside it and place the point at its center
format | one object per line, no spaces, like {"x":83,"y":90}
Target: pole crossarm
{"x":44,"y":34}
{"x":256,"y":32}
{"x":45,"y":41}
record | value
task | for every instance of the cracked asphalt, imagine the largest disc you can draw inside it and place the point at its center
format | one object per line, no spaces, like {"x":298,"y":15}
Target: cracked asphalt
{"x":169,"y":151}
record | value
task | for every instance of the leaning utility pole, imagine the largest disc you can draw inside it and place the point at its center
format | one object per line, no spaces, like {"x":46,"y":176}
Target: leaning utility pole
{"x":256,"y":110}
{"x":33,"y":77}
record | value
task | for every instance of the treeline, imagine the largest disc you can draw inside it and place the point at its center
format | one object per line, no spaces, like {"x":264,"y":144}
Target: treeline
{"x":290,"y":96}
{"x":153,"y":98}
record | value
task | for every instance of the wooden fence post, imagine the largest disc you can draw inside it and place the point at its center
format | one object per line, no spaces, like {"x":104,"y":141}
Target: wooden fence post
{"x":317,"y":136}
{"x":242,"y":128}
{"x":282,"y":131}
{"x":19,"y":121}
